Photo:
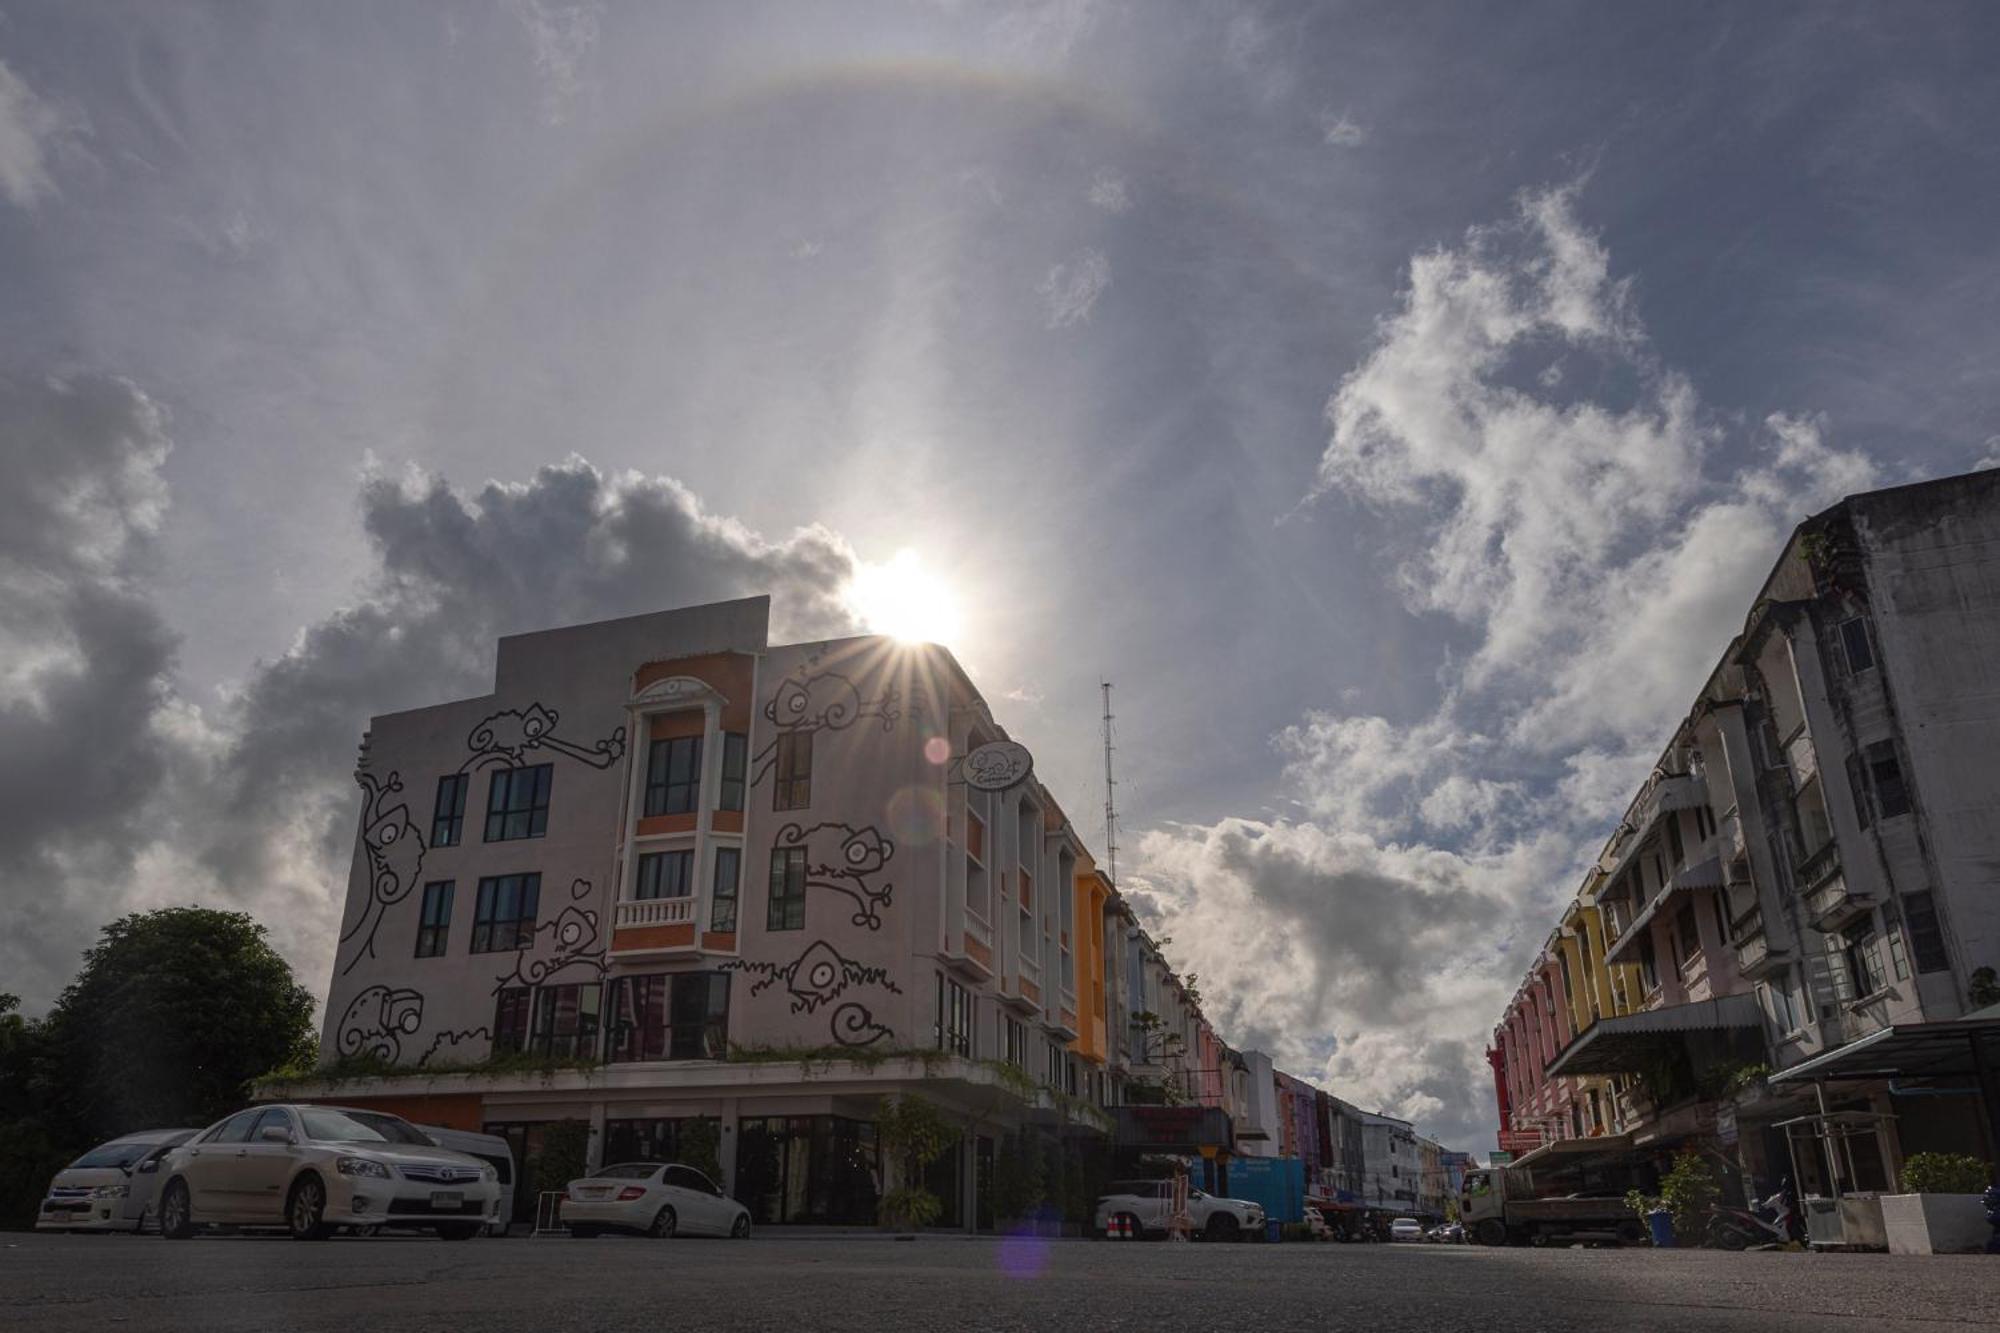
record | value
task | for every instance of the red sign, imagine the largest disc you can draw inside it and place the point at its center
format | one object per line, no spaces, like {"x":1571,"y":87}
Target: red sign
{"x":1520,"y":1140}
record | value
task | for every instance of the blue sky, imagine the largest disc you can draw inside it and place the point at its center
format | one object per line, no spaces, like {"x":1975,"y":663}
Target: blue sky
{"x":1399,"y":402}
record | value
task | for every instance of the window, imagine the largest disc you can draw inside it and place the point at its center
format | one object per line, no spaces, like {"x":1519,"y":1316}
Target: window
{"x":448,"y":818}
{"x":728,"y":873}
{"x":1892,"y":798}
{"x":1686,"y":935}
{"x":1017,"y":1044}
{"x":1055,"y":1078}
{"x":517,"y":804}
{"x":687,"y":1178}
{"x":1721,"y":918}
{"x":787,"y":910}
{"x":510,"y":1019}
{"x":1857,"y":782}
{"x":665,"y":875}
{"x":670,"y":1016}
{"x":1649,"y":968}
{"x":236,"y":1129}
{"x":434,"y":921}
{"x":1926,"y":936}
{"x":978,"y":894}
{"x":735,"y":767}
{"x":953,"y":1028}
{"x":794,"y":763}
{"x":504,"y":916}
{"x":1676,"y":849}
{"x":1863,"y":956}
{"x":673,"y":776}
{"x":1854,"y":642}
{"x":566,"y":1019}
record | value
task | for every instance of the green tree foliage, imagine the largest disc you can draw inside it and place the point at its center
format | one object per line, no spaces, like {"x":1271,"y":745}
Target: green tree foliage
{"x":565,"y":1154}
{"x":1688,"y":1191}
{"x":172,"y":1016}
{"x":1944,"y":1173}
{"x":910,"y":1133}
{"x":1018,"y":1181}
{"x":701,"y":1146}
{"x":29,"y":1153}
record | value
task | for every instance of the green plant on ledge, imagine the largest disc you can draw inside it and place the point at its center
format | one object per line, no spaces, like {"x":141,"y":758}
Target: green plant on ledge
{"x":1944,"y":1173}
{"x":367,"y":1064}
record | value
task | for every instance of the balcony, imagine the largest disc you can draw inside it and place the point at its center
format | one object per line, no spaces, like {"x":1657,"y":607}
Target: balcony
{"x":1830,"y":904}
{"x":657,"y":912}
{"x":656,"y":926}
{"x":1755,"y":958}
{"x":1816,"y":869}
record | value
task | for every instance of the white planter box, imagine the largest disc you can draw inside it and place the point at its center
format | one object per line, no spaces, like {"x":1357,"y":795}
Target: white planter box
{"x":1934,"y":1223}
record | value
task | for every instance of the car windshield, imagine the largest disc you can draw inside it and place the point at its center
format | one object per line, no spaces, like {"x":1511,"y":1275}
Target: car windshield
{"x":115,"y":1154}
{"x":392,"y":1128}
{"x":324,"y":1126}
{"x":626,"y":1171}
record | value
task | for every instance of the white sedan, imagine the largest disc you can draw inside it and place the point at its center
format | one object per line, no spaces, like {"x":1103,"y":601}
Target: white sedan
{"x":654,"y":1198}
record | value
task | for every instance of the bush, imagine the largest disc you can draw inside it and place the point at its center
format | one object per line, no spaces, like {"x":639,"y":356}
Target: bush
{"x":910,"y":1209}
{"x":1688,"y":1191}
{"x":1944,"y":1173}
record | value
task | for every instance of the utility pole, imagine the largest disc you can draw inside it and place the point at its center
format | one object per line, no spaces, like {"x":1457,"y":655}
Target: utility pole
{"x":1110,"y":789}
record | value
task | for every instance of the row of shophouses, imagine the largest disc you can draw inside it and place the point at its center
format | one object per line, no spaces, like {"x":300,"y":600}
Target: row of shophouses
{"x":683,"y":886}
{"x":1782,"y":954}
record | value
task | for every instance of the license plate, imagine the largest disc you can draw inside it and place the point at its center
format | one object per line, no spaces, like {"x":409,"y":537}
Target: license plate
{"x":447,"y":1198}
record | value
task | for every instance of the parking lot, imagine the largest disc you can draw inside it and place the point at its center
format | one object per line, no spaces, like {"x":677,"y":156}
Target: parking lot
{"x":870,"y":1282}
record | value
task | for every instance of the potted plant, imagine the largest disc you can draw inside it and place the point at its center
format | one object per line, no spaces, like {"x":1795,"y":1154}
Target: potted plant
{"x":1939,"y":1211}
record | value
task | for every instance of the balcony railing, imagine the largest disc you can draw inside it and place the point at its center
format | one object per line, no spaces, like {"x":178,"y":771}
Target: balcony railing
{"x":657,"y":912}
{"x":1816,"y":869}
{"x":1831,"y":904}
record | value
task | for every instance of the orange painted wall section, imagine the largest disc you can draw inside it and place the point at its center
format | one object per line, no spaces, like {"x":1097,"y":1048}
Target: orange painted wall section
{"x":653,"y":825}
{"x":979,"y":953}
{"x":726,"y":821}
{"x":651,"y":937}
{"x":1093,"y":892}
{"x":451,"y":1110}
{"x":729,"y":673}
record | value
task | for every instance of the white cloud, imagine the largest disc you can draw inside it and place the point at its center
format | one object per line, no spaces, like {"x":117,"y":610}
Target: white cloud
{"x":1337,"y":130}
{"x":1109,"y":192}
{"x":1601,"y":558}
{"x":1991,"y":458}
{"x":1071,"y":289}
{"x":563,"y":40}
{"x":29,"y":129}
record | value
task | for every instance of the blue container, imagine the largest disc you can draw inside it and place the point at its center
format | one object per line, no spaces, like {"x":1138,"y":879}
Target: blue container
{"x":1278,"y":1184}
{"x":1273,"y":1230}
{"x":1662,"y":1223}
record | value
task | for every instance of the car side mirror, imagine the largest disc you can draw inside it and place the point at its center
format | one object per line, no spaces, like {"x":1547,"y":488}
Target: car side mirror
{"x":148,"y":1167}
{"x":274,"y":1134}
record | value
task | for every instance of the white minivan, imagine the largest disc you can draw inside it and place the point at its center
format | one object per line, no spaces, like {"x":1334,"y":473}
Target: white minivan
{"x":112,"y":1187}
{"x":488,"y":1148}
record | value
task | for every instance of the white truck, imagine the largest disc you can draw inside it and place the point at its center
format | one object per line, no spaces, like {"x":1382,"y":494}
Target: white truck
{"x":1145,"y":1205}
{"x":1499,"y":1206}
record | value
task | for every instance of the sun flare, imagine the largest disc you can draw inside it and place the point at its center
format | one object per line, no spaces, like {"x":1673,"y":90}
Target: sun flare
{"x":905,"y":600}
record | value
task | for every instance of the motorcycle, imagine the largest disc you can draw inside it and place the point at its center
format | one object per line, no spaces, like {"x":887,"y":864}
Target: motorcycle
{"x":1739,"y":1228}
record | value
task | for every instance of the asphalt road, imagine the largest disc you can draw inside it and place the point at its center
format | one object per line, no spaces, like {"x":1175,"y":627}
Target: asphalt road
{"x":360,"y":1286}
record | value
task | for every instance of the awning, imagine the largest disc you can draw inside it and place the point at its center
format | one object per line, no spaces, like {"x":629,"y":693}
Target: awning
{"x":1907,"y":1050}
{"x":1572,"y":1152}
{"x":1627,"y":1042}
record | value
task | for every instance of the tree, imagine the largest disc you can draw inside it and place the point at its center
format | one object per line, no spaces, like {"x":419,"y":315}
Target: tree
{"x":910,"y":1134}
{"x":172,"y":1016}
{"x":29,"y":1154}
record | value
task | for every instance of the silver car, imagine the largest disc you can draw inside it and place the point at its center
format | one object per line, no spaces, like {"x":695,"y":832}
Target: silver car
{"x":112,"y":1187}
{"x":316,"y":1169}
{"x":656,"y":1199}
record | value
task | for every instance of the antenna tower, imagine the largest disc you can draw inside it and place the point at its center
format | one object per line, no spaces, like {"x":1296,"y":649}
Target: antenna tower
{"x":1110,"y":789}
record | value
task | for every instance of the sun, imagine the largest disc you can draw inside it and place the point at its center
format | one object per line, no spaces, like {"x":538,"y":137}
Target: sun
{"x":905,"y":600}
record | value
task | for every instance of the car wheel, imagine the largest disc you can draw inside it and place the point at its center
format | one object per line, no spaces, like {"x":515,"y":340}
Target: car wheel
{"x":578,"y":1231}
{"x":1222,"y":1227}
{"x":741,"y":1229}
{"x":458,"y":1230}
{"x":663,"y":1226}
{"x":305,"y":1211}
{"x":1491,"y":1231}
{"x":176,"y":1215}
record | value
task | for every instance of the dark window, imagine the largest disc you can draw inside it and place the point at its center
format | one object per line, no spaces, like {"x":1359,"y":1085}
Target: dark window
{"x":1687,"y":934}
{"x":787,"y":909}
{"x":448,"y":819}
{"x":1892,"y":798}
{"x":236,"y":1129}
{"x":670,"y":1016}
{"x":517,"y":803}
{"x":1649,"y":968}
{"x":1017,"y":1044}
{"x":795,"y":770}
{"x":510,"y":1019}
{"x":1926,"y":936}
{"x":687,"y":1178}
{"x":665,"y":875}
{"x":504,"y":916}
{"x":1857,"y":781}
{"x":735,"y":767}
{"x":1863,"y":958}
{"x":1721,"y":917}
{"x":434,"y":922}
{"x":728,"y":872}
{"x":673,"y":776}
{"x":1676,"y":850}
{"x":566,"y":1021}
{"x":953,"y":1029}
{"x":1854,"y":642}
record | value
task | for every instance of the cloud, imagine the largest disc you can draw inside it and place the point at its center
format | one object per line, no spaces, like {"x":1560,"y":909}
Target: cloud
{"x":563,"y":39}
{"x":1109,"y":192}
{"x":1338,"y":131}
{"x":29,"y":130}
{"x":124,"y":796}
{"x":1600,"y":557}
{"x":1071,"y":289}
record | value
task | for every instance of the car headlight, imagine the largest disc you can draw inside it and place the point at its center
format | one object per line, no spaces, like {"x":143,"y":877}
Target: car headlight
{"x":360,"y":1166}
{"x":488,"y":1174}
{"x":111,"y":1191}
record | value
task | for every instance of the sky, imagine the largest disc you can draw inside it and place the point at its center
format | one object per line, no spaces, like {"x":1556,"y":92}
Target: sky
{"x":1400,"y":403}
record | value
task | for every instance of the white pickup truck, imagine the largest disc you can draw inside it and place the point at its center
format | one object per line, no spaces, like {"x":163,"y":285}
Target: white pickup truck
{"x":1146,"y":1203}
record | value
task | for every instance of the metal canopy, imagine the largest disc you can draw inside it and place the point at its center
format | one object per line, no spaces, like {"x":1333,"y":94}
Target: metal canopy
{"x":1624,"y":1044}
{"x":1907,"y":1050}
{"x":1575,"y":1149}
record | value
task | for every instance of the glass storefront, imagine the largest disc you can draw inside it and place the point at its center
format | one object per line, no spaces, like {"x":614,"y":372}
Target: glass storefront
{"x":816,"y":1169}
{"x":658,"y":1140}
